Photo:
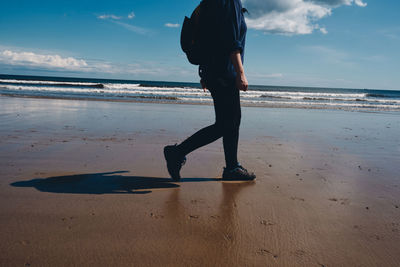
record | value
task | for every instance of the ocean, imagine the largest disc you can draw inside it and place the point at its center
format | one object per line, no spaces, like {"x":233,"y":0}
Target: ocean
{"x":191,"y":93}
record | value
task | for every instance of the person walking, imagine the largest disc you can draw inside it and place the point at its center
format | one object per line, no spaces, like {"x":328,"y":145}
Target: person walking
{"x":223,"y":75}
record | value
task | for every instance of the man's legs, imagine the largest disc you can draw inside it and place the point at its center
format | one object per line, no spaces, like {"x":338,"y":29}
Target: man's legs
{"x":227,"y":123}
{"x":228,"y":114}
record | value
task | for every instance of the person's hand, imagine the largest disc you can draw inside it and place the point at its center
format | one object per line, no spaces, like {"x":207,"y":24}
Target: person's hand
{"x":241,"y":82}
{"x":203,"y":85}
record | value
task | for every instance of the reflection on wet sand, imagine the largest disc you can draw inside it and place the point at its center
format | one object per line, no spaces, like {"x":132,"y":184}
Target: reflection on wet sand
{"x":229,"y":222}
{"x":209,"y":234}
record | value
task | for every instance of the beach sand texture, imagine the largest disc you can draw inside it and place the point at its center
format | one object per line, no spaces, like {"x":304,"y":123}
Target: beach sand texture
{"x":84,"y":183}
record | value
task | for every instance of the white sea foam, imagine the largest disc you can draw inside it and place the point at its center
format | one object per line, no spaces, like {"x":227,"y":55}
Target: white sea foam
{"x":121,"y":85}
{"x":196,"y":95}
{"x":321,"y":104}
{"x":299,"y":104}
{"x":45,"y":82}
{"x":96,"y":91}
{"x":307,"y":94}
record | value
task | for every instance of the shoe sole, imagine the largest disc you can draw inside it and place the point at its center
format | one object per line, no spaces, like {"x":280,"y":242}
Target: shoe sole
{"x":237,"y":179}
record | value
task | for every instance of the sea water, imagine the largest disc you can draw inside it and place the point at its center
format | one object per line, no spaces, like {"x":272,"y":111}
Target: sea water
{"x":191,"y":93}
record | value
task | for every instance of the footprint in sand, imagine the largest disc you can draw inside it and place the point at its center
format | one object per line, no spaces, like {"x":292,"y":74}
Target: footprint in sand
{"x":395,"y":227}
{"x":376,"y":237}
{"x":25,"y":242}
{"x":297,"y":198}
{"x":266,"y":223}
{"x":228,"y":237}
{"x":155,"y":216}
{"x":70,"y":218}
{"x":196,"y":201}
{"x":264,"y":252}
{"x":299,"y":253}
{"x":343,"y":201}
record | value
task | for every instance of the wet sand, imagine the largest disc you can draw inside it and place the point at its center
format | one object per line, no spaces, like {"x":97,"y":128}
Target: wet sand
{"x":84,"y":183}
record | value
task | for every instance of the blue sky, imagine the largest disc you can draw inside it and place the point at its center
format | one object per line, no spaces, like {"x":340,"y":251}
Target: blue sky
{"x":329,"y":43}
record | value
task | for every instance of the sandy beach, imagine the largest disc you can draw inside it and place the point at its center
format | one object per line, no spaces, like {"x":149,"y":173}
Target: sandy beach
{"x":84,"y":183}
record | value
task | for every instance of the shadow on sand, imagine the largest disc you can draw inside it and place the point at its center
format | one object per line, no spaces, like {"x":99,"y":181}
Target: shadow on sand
{"x":103,"y":183}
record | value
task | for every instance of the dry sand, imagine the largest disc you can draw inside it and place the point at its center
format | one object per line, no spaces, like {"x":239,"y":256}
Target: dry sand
{"x":84,"y":183}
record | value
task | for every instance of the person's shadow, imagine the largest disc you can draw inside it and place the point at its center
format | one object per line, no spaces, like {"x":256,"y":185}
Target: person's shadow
{"x":103,"y":183}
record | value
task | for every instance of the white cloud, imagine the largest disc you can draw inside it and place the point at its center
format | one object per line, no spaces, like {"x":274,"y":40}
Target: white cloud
{"x":291,"y":17}
{"x":40,"y":60}
{"x":133,"y":28}
{"x":265,"y":75}
{"x":117,"y":20}
{"x":360,"y":3}
{"x":323,"y":30}
{"x":131,"y":15}
{"x":172,"y":25}
{"x":17,"y":59}
{"x":115,"y":17}
{"x":109,"y":17}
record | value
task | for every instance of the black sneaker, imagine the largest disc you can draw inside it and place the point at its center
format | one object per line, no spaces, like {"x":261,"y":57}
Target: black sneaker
{"x":238,"y":174}
{"x":174,"y":161}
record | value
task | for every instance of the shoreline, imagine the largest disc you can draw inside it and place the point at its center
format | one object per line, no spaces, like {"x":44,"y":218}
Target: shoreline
{"x":85,"y":183}
{"x":160,"y":101}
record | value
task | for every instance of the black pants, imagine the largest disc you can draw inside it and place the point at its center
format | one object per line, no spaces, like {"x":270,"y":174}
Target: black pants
{"x":227,"y":121}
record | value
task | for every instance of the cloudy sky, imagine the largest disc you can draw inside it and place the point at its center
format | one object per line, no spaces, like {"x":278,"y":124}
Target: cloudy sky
{"x":328,"y":43}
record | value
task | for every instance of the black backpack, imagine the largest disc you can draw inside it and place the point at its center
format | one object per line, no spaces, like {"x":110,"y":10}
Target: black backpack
{"x":193,"y":39}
